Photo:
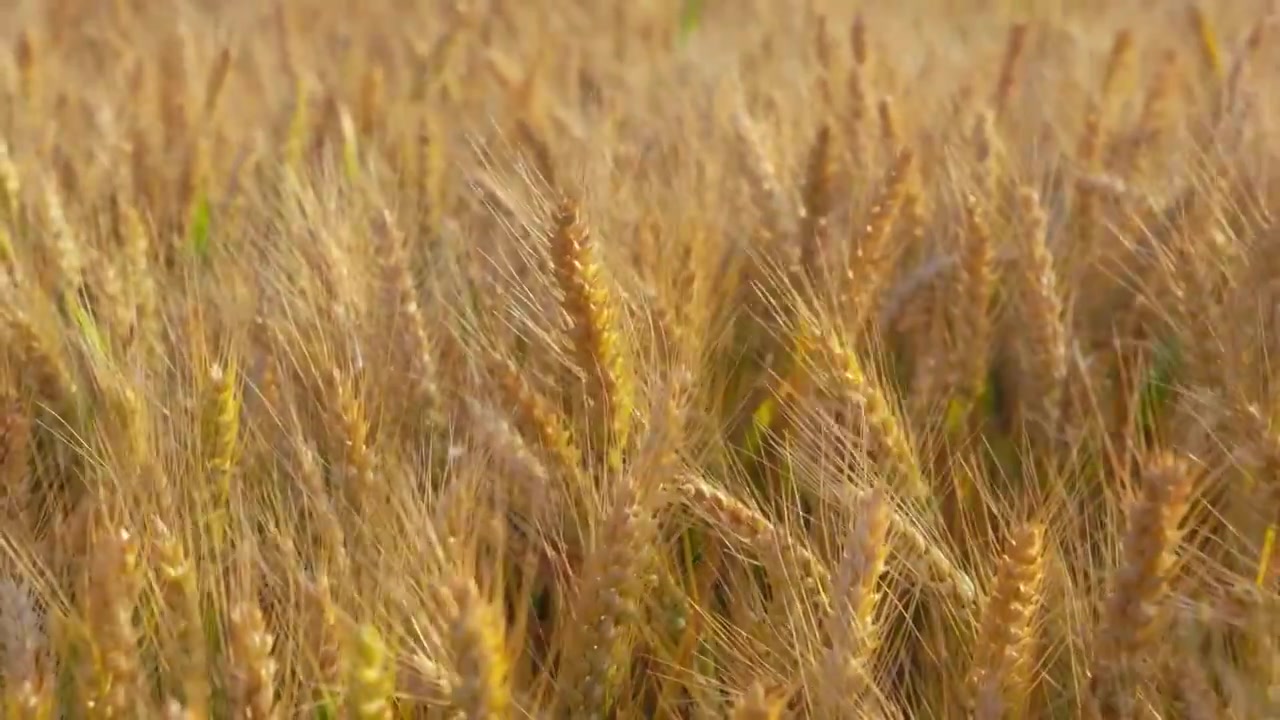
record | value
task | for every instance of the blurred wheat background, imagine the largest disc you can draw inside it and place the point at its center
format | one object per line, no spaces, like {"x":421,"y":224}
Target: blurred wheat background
{"x":693,"y":359}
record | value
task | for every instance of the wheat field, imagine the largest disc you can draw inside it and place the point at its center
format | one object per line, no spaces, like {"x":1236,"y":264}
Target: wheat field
{"x":672,"y":359}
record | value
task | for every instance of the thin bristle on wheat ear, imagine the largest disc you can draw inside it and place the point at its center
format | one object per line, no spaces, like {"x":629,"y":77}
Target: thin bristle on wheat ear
{"x":1132,"y":614}
{"x":1001,"y":663}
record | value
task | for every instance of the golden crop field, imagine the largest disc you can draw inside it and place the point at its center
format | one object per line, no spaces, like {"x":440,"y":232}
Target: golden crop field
{"x":551,"y":359}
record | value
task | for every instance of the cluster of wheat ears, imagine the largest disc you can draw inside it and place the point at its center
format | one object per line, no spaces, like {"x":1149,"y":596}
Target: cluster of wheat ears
{"x":570,"y":359}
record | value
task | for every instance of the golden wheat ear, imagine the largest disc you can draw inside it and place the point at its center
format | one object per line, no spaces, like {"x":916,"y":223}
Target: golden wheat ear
{"x":1002,"y":668}
{"x":476,"y":637}
{"x":185,"y":648}
{"x":847,"y":668}
{"x":759,"y":703}
{"x":115,"y":584}
{"x":252,"y":667}
{"x":372,"y":681}
{"x":1043,"y":346}
{"x":25,"y":662}
{"x":1133,"y":611}
{"x":590,"y":311}
{"x":871,"y":252}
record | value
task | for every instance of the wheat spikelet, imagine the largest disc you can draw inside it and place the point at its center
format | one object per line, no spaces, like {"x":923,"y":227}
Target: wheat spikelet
{"x":859,"y":86}
{"x":1195,"y":688}
{"x":25,"y":59}
{"x":297,"y":135}
{"x":537,"y":147}
{"x":1128,"y":154}
{"x":890,"y":125}
{"x":309,"y":474}
{"x":536,"y":418}
{"x":428,"y":181}
{"x":326,"y":638}
{"x":372,"y":97}
{"x":987,"y":154}
{"x":10,"y":192}
{"x":1118,"y":60}
{"x":766,"y":186}
{"x":216,"y":81}
{"x":222,"y":430}
{"x":1207,"y":41}
{"x":356,"y":458}
{"x":68,"y":254}
{"x":938,"y":568}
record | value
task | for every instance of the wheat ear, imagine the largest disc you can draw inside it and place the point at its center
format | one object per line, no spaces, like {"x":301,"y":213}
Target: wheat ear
{"x":781,"y":553}
{"x":885,"y":433}
{"x":113,"y":594}
{"x":482,"y":689}
{"x":1131,"y":616}
{"x":1044,"y":346}
{"x":1001,"y":664}
{"x":759,"y":704}
{"x":372,"y":679}
{"x":28,"y":686}
{"x":814,"y":228}
{"x":186,"y":651}
{"x":972,"y":314}
{"x":852,"y":629}
{"x":252,"y":670}
{"x":609,"y":598}
{"x":596,"y":342}
{"x":870,"y":261}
